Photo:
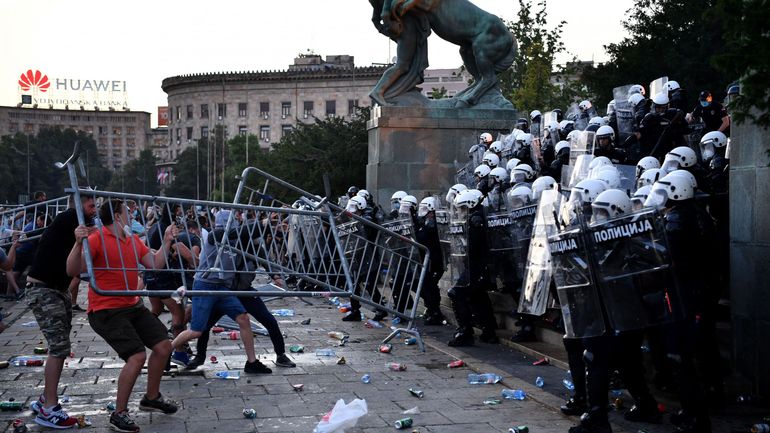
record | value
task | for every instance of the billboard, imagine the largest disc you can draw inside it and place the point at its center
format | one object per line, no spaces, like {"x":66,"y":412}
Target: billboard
{"x":163,"y":116}
{"x":38,"y":88}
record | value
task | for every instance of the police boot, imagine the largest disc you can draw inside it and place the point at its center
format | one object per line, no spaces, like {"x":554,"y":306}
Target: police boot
{"x":434,"y":319}
{"x":488,"y":335}
{"x":574,"y":406}
{"x":646,"y":411}
{"x":593,"y":421}
{"x":525,"y":334}
{"x":461,"y":338}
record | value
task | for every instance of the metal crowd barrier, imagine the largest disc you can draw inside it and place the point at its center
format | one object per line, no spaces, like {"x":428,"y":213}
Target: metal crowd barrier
{"x":14,"y":220}
{"x":386,"y":268}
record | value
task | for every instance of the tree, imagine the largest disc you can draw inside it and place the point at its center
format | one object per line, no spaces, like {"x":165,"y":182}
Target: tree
{"x":746,"y":55}
{"x":138,"y":176}
{"x":437,"y":93}
{"x":191,"y":162}
{"x":674,"y":38}
{"x":50,"y":145}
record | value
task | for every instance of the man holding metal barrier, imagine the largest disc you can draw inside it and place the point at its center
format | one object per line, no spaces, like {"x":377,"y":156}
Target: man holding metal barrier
{"x":123,"y":321}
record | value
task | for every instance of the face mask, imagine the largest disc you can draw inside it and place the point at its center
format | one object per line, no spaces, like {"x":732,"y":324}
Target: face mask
{"x":395,"y":205}
{"x":704,"y":104}
{"x":127,"y":231}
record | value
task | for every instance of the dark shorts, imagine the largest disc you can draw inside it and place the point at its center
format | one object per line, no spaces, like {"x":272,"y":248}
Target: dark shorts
{"x":161,"y":281}
{"x":53,"y":311}
{"x":128,"y":330}
{"x":202,"y":306}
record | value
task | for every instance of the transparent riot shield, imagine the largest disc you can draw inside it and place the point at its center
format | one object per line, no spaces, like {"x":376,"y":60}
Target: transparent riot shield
{"x":583,"y":144}
{"x":442,"y":224}
{"x":627,"y":178}
{"x":657,"y":86}
{"x":633,"y":271}
{"x":509,"y":145}
{"x":624,"y":112}
{"x":465,"y":175}
{"x":535,"y":129}
{"x":534,"y":292}
{"x":501,"y":240}
{"x":572,"y":274}
{"x":397,"y":264}
{"x":579,"y":171}
{"x":458,"y":259}
{"x":522,"y":225}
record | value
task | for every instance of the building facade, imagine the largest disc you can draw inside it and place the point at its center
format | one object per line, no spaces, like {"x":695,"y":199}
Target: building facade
{"x":267,"y":104}
{"x":119,"y":135}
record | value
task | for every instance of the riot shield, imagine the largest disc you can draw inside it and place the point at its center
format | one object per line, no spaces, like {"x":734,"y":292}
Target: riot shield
{"x":582,"y":145}
{"x":658,"y":86}
{"x":580,"y":170}
{"x":398,"y":263}
{"x":534,"y":292}
{"x":572,"y":274}
{"x":465,"y":175}
{"x":509,"y":145}
{"x":442,"y":224}
{"x":458,"y":259}
{"x":501,"y":240}
{"x":624,"y":112}
{"x":633,"y":271}
{"x":522,"y":225}
{"x":627,"y":178}
{"x":535,"y":129}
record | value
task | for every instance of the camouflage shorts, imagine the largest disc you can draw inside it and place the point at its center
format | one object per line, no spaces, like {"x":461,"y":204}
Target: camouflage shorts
{"x":53,"y":312}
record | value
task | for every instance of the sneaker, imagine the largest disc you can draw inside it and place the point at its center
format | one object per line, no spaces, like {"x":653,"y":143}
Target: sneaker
{"x":120,"y":421}
{"x":283,"y":361}
{"x":180,"y":358}
{"x":36,"y":405}
{"x":353,"y":316}
{"x":158,"y":405}
{"x":195,"y":363}
{"x":55,"y":418}
{"x":256,"y":367}
{"x":77,"y":308}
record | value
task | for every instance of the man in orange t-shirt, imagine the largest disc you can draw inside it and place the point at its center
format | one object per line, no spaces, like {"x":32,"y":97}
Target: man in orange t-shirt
{"x":123,"y":321}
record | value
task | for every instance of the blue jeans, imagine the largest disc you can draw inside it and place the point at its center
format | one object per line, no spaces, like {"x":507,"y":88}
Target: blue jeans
{"x":202,"y":306}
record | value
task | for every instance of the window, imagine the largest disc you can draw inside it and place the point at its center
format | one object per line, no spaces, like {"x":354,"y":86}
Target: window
{"x":179,"y":112}
{"x":189,"y":112}
{"x":264,"y":133}
{"x":264,"y":110}
{"x":352,"y":107}
{"x":102,"y":130}
{"x":286,"y":130}
{"x":307,"y":109}
{"x":130,"y":131}
{"x":222,"y":110}
{"x":204,"y":132}
{"x":178,"y":135}
{"x":331,"y":108}
{"x":13,"y":127}
{"x":243,"y":109}
{"x":285,"y":109}
{"x":29,"y":128}
{"x":243,"y":130}
{"x":130,"y":154}
{"x":189,"y":133}
{"x":131,"y":142}
{"x":89,"y":129}
{"x":102,"y":141}
{"x":117,"y":130}
{"x":204,"y":111}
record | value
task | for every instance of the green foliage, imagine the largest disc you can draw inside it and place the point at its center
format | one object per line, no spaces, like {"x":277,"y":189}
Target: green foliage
{"x":138,"y":176}
{"x":191,"y":161}
{"x":437,"y":93}
{"x":50,"y":145}
{"x":673,"y":38}
{"x":746,"y":55}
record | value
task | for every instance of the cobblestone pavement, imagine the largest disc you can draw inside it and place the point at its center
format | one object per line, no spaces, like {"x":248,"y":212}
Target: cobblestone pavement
{"x":210,"y":404}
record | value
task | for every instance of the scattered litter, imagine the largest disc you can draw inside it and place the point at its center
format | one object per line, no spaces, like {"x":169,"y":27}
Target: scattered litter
{"x":231,"y":375}
{"x":325,"y":352}
{"x":110,"y":406}
{"x":539,"y":382}
{"x":513,"y":394}
{"x":296,"y":348}
{"x":249,"y":413}
{"x":403,"y":423}
{"x":416,"y":392}
{"x":217,"y":329}
{"x":395,"y":321}
{"x":83,"y":421}
{"x":40,"y":350}
{"x":214,"y":359}
{"x":232,"y":335}
{"x":19,"y":426}
{"x":342,"y":416}
{"x":413,"y":411}
{"x":29,"y":361}
{"x":373,"y":324}
{"x":618,"y":403}
{"x":283,"y":312}
{"x":11,"y":406}
{"x":486,"y":378}
{"x":456,"y":364}
{"x":491,"y":401}
{"x":305,"y":322}
{"x":542,"y":361}
{"x":386,"y":348}
{"x":410,"y":341}
{"x":395,"y":366}
{"x":32,"y":324}
{"x":4,"y":364}
{"x":64,"y":398}
{"x":337,"y":335}
{"x":341,"y":361}
{"x":297,"y":387}
{"x":366,"y":378}
{"x":519,"y":429}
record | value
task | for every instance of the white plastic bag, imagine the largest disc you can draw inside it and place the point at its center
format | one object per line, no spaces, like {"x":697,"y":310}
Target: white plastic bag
{"x":342,"y":416}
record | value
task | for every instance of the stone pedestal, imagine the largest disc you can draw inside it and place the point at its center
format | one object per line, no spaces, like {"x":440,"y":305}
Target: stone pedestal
{"x":419,"y":150}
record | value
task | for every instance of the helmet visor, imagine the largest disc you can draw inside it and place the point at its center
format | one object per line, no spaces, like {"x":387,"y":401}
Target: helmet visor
{"x":637,"y":203}
{"x":657,"y":199}
{"x":707,"y":150}
{"x":422,"y":210}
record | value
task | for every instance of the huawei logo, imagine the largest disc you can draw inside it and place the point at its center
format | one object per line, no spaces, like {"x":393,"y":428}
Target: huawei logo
{"x":34,"y":79}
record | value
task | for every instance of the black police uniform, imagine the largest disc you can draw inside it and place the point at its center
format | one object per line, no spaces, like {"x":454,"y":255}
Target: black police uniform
{"x":426,"y":233}
{"x":712,"y":117}
{"x":662,"y":132}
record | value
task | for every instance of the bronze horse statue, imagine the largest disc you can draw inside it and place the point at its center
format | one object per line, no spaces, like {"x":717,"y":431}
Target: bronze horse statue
{"x":487,"y":47}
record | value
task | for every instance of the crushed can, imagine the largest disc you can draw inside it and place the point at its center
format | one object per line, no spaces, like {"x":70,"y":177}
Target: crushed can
{"x":19,"y":426}
{"x":249,"y":413}
{"x":234,"y":335}
{"x":111,"y":406}
{"x":456,"y":364}
{"x":83,"y":421}
{"x":416,"y":392}
{"x":296,"y":348}
{"x":385,"y":348}
{"x":4,"y":364}
{"x":410,"y":341}
{"x":213,"y":359}
{"x":11,"y":405}
{"x":403,"y":423}
{"x":395,"y":366}
{"x":519,"y":429}
{"x":217,"y":329}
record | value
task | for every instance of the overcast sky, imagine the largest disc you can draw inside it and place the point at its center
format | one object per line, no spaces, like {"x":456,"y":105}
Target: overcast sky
{"x":142,"y":42}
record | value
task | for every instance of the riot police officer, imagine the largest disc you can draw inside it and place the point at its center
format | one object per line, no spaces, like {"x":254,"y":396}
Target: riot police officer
{"x":395,"y":204}
{"x":662,"y":129}
{"x":469,"y":295}
{"x":605,"y":145}
{"x":426,"y":234}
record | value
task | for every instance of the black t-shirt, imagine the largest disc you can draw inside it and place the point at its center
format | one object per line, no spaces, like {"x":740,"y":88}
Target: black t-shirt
{"x":712,"y":116}
{"x":50,"y":264}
